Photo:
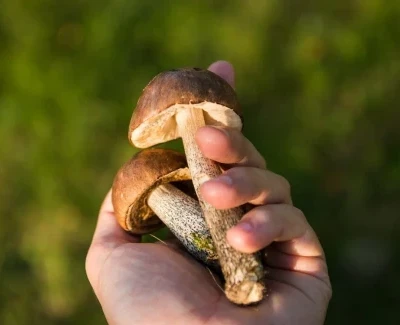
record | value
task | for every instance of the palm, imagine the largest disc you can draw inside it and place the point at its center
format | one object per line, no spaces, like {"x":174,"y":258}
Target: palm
{"x":157,"y":284}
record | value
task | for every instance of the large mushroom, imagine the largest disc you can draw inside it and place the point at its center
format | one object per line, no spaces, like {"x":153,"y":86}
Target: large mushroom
{"x":175,"y":104}
{"x":146,"y":196}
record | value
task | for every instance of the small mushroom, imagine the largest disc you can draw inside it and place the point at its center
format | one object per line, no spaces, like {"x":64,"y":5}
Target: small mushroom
{"x":176,"y":104}
{"x":146,"y":197}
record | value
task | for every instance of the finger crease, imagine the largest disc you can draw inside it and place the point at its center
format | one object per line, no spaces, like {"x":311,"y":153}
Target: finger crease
{"x":243,"y":160}
{"x":291,"y":285}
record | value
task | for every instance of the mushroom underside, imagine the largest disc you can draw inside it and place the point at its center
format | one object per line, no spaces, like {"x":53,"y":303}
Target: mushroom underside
{"x":140,"y":219}
{"x":162,"y":127}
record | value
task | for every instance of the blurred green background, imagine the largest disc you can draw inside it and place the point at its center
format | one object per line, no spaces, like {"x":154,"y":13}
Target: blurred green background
{"x":318,"y":81}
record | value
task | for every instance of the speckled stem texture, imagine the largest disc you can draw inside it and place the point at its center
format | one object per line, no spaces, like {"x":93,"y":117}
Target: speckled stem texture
{"x":183,"y":216}
{"x":243,"y":273}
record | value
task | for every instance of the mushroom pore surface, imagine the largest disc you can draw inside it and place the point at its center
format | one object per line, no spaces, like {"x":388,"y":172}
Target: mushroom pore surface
{"x":152,"y":190}
{"x":137,"y":178}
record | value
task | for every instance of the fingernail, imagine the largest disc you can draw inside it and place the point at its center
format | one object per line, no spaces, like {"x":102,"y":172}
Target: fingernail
{"x":222,"y":129}
{"x":224,"y":179}
{"x":245,"y":226}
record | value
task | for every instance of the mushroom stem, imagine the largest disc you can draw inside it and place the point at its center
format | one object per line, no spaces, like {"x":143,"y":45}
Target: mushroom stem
{"x":243,"y":273}
{"x":183,"y":216}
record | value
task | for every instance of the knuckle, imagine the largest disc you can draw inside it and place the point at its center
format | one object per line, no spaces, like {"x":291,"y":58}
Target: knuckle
{"x":238,"y":174}
{"x":285,"y":184}
{"x":267,"y":212}
{"x":233,"y":139}
{"x":241,"y":146}
{"x":263,"y":163}
{"x":299,"y":213}
{"x":328,"y":292}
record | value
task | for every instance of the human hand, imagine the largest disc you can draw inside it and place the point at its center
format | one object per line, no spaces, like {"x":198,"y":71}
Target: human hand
{"x":155,"y":283}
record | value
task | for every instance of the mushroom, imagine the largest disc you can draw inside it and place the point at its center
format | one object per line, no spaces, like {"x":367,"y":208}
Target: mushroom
{"x":175,"y":104}
{"x":146,"y":196}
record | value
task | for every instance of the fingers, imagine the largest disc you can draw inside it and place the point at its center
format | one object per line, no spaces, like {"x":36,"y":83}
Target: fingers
{"x":248,"y":182}
{"x":225,"y":70}
{"x":275,"y":223}
{"x":213,"y":141}
{"x":228,"y":146}
{"x":306,"y":245}
{"x":240,"y":185}
{"x":313,"y":265}
{"x":303,"y":283}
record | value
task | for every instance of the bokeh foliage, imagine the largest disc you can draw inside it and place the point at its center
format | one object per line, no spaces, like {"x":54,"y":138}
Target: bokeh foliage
{"x":318,"y":81}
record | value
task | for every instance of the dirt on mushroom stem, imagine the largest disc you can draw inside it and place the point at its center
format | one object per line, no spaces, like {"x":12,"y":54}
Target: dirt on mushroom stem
{"x":203,"y":241}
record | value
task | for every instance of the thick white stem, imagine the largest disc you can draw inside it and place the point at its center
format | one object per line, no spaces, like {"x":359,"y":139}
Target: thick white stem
{"x":243,"y":273}
{"x":183,"y":216}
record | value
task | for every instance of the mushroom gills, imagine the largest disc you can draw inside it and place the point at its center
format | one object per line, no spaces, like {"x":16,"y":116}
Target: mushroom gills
{"x":183,"y":216}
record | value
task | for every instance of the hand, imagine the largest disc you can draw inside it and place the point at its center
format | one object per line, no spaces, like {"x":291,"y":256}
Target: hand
{"x":153,"y":283}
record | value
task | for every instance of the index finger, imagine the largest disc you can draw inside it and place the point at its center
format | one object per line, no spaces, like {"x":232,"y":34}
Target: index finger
{"x":228,"y":146}
{"x":223,"y":145}
{"x":225,"y":70}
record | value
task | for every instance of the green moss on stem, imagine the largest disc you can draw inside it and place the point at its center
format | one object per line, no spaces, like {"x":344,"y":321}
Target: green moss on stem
{"x":203,"y":242}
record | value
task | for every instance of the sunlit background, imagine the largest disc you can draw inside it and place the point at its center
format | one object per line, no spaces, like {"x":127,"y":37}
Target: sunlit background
{"x":318,"y":81}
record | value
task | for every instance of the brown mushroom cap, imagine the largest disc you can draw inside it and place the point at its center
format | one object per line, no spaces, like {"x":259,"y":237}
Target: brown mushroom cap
{"x":153,"y":120}
{"x":137,"y":178}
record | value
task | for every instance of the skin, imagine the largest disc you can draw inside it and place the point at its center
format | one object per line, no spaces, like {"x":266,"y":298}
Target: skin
{"x":143,"y":283}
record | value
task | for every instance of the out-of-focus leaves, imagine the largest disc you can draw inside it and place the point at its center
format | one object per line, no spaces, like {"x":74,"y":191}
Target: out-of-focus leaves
{"x":319,"y":84}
